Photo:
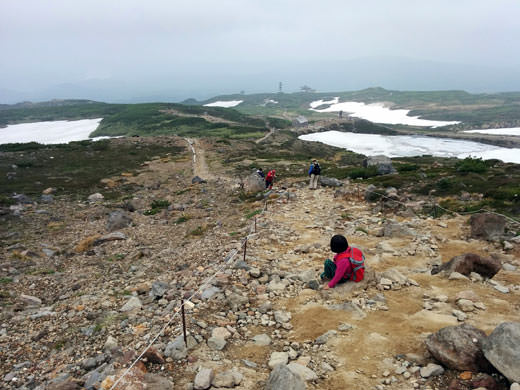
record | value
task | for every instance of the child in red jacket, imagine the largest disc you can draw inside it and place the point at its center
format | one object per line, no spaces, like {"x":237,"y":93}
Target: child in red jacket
{"x":348,"y":264}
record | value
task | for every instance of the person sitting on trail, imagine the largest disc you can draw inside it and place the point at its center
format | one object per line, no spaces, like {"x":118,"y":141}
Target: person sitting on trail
{"x":269,"y":179}
{"x":314,"y":174}
{"x":260,"y":173}
{"x":348,"y":264}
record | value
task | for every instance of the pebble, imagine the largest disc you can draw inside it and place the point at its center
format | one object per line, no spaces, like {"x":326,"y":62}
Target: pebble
{"x":278,"y":358}
{"x":431,"y":370}
{"x":203,"y":379}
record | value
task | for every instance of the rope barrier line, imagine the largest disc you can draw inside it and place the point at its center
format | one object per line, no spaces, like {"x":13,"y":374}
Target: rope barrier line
{"x":451,"y":211}
{"x":232,"y":255}
{"x":226,"y":262}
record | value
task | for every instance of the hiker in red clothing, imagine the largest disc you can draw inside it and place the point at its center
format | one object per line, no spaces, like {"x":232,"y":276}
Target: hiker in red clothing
{"x":269,"y":179}
{"x":348,"y":264}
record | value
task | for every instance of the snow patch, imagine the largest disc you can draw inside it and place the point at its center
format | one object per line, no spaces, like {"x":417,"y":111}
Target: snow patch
{"x":503,"y":131}
{"x":53,"y":132}
{"x":377,"y":113}
{"x":223,"y":103}
{"x":407,"y":146}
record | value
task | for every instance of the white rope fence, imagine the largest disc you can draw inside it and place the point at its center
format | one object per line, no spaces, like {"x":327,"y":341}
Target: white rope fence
{"x":233,"y":254}
{"x":227,"y":261}
{"x":463,"y":213}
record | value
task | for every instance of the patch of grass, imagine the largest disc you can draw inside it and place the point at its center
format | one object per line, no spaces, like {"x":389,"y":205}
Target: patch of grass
{"x":59,"y":344}
{"x":183,"y":218}
{"x":75,"y":168}
{"x":199,"y":230}
{"x":160,"y":204}
{"x":363,"y":173}
{"x":6,"y":280}
{"x":157,"y":206}
{"x":116,"y":257}
{"x":232,"y":234}
{"x":253,"y":213}
{"x":406,"y":167}
{"x":180,"y":192}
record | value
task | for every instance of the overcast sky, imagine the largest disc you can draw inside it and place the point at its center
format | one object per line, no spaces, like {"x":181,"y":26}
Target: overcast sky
{"x":170,"y":43}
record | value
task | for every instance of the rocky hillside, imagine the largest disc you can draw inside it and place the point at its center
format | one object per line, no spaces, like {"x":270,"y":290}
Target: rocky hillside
{"x":88,"y":284}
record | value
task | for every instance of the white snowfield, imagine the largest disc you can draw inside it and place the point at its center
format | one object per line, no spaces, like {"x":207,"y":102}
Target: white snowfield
{"x":406,"y":146}
{"x":503,"y":131}
{"x":55,"y":132}
{"x":223,"y":103}
{"x":377,"y":113}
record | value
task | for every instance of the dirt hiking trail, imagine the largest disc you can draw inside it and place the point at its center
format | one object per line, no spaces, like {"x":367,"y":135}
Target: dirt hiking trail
{"x":382,"y":323}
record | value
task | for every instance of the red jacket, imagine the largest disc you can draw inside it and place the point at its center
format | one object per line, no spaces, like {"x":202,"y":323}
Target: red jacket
{"x":344,"y":266}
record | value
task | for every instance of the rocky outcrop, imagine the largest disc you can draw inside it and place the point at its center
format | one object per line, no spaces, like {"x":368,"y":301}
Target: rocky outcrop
{"x":253,"y":184}
{"x":459,"y":348}
{"x":330,"y":182}
{"x":467,"y":263}
{"x":502,"y":349}
{"x":487,"y":226}
{"x":383,"y":164}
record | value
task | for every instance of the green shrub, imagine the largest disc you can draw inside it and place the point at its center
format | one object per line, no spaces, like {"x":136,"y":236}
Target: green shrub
{"x":160,"y":204}
{"x":475,"y":165}
{"x":363,"y":173}
{"x":182,"y":219}
{"x":407,"y":167}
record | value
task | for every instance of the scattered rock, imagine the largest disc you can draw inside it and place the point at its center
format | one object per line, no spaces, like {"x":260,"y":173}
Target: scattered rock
{"x":278,"y":358}
{"x":132,"y":304}
{"x":253,"y":184}
{"x":502,"y":349}
{"x":487,"y":226}
{"x":383,"y":164}
{"x":158,"y":289}
{"x":118,"y":219}
{"x":282,"y":316}
{"x":97,"y":197}
{"x":330,"y":182}
{"x":262,"y":339}
{"x":228,"y":379}
{"x":203,"y":379}
{"x":304,"y":372}
{"x":115,"y":236}
{"x":431,"y":370}
{"x":198,"y":180}
{"x":282,"y":378}
{"x":458,"y":347}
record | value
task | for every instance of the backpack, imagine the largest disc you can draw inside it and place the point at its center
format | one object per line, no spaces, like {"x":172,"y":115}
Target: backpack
{"x":316,"y":169}
{"x":357,"y":260}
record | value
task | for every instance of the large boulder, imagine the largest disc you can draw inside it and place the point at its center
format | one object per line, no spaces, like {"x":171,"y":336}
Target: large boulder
{"x":487,"y":226}
{"x":470,"y":262}
{"x":282,"y":378}
{"x":502,"y":349}
{"x":395,"y":229}
{"x":330,"y":182}
{"x":459,"y":348}
{"x":383,"y":164}
{"x":253,"y":184}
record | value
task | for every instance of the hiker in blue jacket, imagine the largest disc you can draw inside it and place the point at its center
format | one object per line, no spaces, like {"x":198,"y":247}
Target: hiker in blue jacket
{"x":314,"y":174}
